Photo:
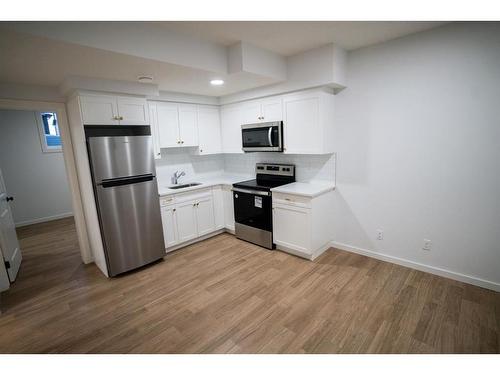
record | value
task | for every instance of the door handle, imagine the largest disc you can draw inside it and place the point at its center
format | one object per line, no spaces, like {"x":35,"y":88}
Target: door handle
{"x":8,"y":199}
{"x":269,"y":135}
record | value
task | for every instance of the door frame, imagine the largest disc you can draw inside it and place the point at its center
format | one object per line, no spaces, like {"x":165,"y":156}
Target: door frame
{"x":69,"y":163}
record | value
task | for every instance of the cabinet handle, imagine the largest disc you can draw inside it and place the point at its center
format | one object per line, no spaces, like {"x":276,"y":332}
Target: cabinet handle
{"x":121,"y":118}
{"x":116,"y":118}
{"x":194,"y":204}
{"x":178,"y":142}
{"x":173,"y":210}
{"x":201,"y":150}
{"x":182,"y":141}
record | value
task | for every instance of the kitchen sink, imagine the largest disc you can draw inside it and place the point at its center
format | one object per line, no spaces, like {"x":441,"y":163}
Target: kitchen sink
{"x":185,"y":185}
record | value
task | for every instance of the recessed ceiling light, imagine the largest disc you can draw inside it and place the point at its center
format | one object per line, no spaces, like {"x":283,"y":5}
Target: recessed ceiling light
{"x":216,"y":82}
{"x":145,"y":78}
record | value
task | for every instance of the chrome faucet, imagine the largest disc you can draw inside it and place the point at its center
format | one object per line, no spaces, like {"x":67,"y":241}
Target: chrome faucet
{"x":176,"y":176}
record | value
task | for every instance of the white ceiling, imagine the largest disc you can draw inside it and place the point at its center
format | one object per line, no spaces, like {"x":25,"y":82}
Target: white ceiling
{"x":35,"y":59}
{"x":288,"y":38}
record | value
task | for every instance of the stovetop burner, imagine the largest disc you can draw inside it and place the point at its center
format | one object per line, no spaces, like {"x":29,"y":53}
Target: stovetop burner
{"x":269,"y":176}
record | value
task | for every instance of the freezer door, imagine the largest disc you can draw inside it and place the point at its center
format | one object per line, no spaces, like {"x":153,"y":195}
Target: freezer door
{"x":130,"y":223}
{"x":121,"y":156}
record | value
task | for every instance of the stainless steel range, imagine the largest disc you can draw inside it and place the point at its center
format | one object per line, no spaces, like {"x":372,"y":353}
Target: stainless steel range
{"x":253,"y":202}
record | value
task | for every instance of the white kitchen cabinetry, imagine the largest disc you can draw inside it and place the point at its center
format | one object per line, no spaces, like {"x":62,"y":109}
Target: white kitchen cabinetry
{"x":227,"y":196}
{"x":209,"y":130}
{"x":177,"y":124}
{"x":218,"y":207}
{"x":187,"y":216}
{"x":301,"y":225}
{"x":153,"y":116}
{"x":231,"y":129}
{"x":169,"y":220}
{"x":308,"y":123}
{"x":113,"y":110}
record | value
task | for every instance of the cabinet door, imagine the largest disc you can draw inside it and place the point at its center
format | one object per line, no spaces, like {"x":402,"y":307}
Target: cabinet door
{"x":292,"y":227}
{"x":186,"y":221}
{"x":188,"y":125}
{"x":209,"y":134}
{"x":169,"y":222}
{"x":227,"y":195}
{"x":99,"y":110}
{"x":205,"y":219}
{"x":133,"y":111}
{"x":168,"y":125}
{"x":153,"y":117}
{"x":218,"y":207}
{"x":250,"y":113}
{"x":231,"y":130}
{"x":302,"y":127}
{"x":272,"y":109}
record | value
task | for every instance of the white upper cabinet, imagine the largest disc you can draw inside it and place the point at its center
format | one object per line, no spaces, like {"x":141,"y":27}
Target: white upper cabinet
{"x":231,"y":130}
{"x":188,"y":125}
{"x":133,"y":111}
{"x":308,"y":123}
{"x":249,"y":112}
{"x":271,"y":109}
{"x":177,"y":124}
{"x":153,"y":116}
{"x":114,"y":110}
{"x":209,"y":130}
{"x":168,"y":125}
{"x":99,"y":110}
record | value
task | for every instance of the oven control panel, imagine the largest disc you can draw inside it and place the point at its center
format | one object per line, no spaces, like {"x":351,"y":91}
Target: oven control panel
{"x":275,"y":169}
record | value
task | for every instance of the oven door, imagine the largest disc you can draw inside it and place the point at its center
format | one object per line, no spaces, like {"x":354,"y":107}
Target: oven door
{"x":253,"y":208}
{"x":266,"y":136}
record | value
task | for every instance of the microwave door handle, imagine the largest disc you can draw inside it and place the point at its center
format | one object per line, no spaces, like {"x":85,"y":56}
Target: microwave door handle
{"x":269,"y":135}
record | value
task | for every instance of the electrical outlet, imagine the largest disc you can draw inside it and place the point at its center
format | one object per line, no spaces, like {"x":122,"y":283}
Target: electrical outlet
{"x":380,"y":234}
{"x":427,"y":245}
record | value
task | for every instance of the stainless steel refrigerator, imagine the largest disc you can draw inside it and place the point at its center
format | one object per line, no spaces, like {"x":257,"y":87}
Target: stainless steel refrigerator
{"x":126,"y":194}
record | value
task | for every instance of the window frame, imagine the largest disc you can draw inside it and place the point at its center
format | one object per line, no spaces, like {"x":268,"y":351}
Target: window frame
{"x":42,"y":136}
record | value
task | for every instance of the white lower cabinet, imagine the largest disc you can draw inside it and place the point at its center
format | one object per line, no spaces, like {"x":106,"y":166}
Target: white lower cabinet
{"x":186,"y":220}
{"x":218,"y":207}
{"x":227,"y":197}
{"x":169,"y":220}
{"x":187,"y":216}
{"x":302,"y":225}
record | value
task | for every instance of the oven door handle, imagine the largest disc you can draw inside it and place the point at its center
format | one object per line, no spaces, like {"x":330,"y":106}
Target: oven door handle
{"x":256,"y":192}
{"x":269,"y":135}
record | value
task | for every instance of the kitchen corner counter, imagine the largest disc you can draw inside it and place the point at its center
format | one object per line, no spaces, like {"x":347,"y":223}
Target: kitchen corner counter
{"x":307,"y":189}
{"x":206,"y":182}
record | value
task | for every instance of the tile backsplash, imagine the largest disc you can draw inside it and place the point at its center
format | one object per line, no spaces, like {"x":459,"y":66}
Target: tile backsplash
{"x":308,"y":167}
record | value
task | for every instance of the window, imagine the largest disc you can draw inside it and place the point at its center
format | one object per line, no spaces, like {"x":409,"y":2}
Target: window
{"x":49,"y":131}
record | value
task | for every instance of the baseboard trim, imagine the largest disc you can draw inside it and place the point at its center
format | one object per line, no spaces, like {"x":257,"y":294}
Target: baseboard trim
{"x":43,"y":219}
{"x":419,"y":266}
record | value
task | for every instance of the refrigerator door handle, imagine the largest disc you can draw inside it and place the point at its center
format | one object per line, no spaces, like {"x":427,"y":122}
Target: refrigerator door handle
{"x":126,"y":180}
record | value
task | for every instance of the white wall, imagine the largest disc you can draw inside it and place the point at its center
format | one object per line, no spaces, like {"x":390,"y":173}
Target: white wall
{"x":37,"y":180}
{"x":418,"y":141}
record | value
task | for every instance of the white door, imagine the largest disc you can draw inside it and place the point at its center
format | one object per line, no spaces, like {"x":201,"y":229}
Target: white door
{"x":168,"y":125}
{"x":99,"y":110}
{"x":209,"y":134}
{"x":292,"y":227}
{"x":231,"y":130}
{"x":153,"y":117}
{"x":272,"y":109}
{"x":133,"y":111}
{"x":186,"y":221}
{"x":250,"y":113}
{"x":169,"y":222}
{"x":205,"y":218}
{"x":302,"y":125}
{"x":188,"y":125}
{"x":8,"y":236}
{"x":227,"y":195}
{"x":218,"y":207}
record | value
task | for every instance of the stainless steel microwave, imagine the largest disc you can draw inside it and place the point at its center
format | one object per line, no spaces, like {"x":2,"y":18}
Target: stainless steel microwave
{"x":264,"y":136}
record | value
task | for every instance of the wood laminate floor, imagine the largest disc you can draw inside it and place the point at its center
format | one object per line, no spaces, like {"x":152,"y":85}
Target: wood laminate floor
{"x":224,"y":295}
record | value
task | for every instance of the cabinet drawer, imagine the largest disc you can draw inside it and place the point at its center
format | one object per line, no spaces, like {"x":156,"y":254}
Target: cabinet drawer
{"x":193,"y":195}
{"x":293,"y":200}
{"x":165,"y":201}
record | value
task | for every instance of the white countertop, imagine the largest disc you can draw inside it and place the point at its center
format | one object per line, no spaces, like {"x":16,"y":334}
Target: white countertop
{"x":223,"y":179}
{"x":307,"y":189}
